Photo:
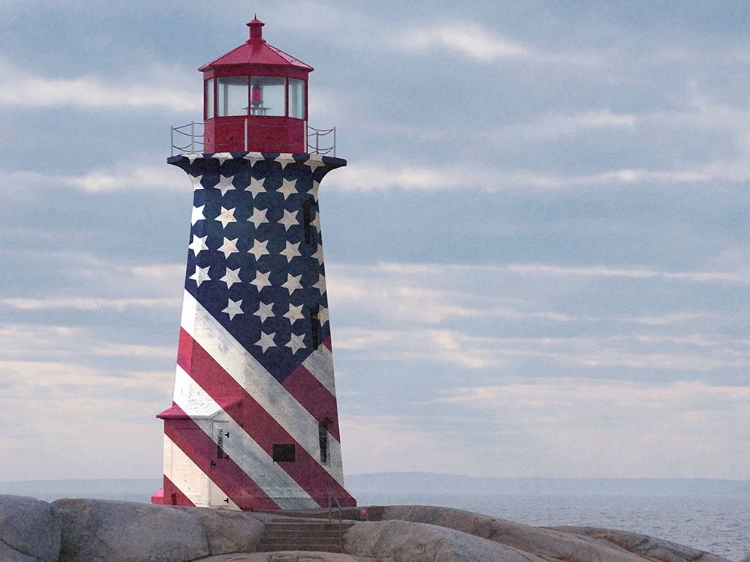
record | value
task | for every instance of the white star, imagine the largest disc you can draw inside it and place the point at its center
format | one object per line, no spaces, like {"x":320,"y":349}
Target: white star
{"x":316,"y":222}
{"x":256,"y":186}
{"x":266,"y":341}
{"x":229,"y":247}
{"x":261,"y":280}
{"x":222,"y":157}
{"x":192,"y":156}
{"x":315,"y":162}
{"x":314,"y":190}
{"x":288,"y":188}
{"x":226,"y":216}
{"x":321,"y":284}
{"x":318,"y":255}
{"x":293,"y":282}
{"x":291,"y":251}
{"x":322,"y":315}
{"x":197,"y":214}
{"x":296,"y":343}
{"x":259,"y":217}
{"x":225,"y":184}
{"x":233,"y":308}
{"x":264,"y":311}
{"x":289,"y":219}
{"x":253,"y":157}
{"x":231,"y":277}
{"x":259,"y":249}
{"x":295,"y":313}
{"x":198,"y":244}
{"x":285,"y":159}
{"x":200,"y":275}
{"x":196,"y":182}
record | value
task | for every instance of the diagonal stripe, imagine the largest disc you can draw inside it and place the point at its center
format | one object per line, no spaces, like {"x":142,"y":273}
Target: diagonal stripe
{"x":209,"y":380}
{"x":314,"y":397}
{"x":179,"y":497}
{"x":192,"y":482}
{"x":192,"y":455}
{"x":320,"y":365}
{"x":251,"y":459}
{"x":249,"y":374}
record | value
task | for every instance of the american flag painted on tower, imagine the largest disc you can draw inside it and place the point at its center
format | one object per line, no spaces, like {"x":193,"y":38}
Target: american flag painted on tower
{"x":254,"y":422}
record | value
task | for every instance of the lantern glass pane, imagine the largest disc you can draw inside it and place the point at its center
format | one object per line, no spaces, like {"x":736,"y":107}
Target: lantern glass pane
{"x":296,"y":98}
{"x":267,"y":96}
{"x":209,"y":98}
{"x":232,"y":95}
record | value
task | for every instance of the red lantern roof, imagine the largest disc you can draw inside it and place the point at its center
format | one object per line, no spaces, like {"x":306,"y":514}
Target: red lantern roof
{"x":256,"y":51}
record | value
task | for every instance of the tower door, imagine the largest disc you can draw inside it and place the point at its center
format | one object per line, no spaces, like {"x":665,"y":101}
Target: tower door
{"x":221,"y":434}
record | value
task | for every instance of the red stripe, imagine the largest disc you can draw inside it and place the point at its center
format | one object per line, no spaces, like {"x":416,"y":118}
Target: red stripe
{"x":225,"y":473}
{"x":327,"y":342}
{"x":174,"y":496}
{"x":258,"y":423}
{"x":315,"y":397}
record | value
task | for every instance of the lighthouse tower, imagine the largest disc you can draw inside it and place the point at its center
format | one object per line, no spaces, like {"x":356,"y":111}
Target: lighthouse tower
{"x":254,"y":422}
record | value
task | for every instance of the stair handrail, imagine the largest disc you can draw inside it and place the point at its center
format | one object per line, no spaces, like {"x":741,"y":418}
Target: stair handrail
{"x":341,"y":515}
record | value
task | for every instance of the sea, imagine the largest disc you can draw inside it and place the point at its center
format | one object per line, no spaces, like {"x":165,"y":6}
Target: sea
{"x":710,"y":515}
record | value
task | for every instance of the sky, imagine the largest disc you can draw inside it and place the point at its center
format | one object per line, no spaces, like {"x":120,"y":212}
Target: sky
{"x":537,"y":257}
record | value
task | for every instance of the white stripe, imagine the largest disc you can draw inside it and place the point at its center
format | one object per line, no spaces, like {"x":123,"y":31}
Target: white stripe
{"x":320,"y":364}
{"x":242,"y":448}
{"x":259,"y":383}
{"x":187,"y":477}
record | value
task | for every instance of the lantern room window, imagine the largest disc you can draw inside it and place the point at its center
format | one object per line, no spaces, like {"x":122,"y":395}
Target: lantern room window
{"x":232,"y":95}
{"x":296,"y":98}
{"x":267,"y":96}
{"x":209,"y":97}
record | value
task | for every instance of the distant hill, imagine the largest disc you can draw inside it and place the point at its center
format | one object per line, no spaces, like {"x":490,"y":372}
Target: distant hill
{"x":407,"y":484}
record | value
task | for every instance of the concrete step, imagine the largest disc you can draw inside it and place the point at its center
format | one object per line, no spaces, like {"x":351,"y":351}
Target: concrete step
{"x":309,"y":536}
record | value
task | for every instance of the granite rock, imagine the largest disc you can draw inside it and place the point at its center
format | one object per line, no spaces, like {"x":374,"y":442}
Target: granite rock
{"x":227,"y":531}
{"x":648,"y":547}
{"x":404,"y":541}
{"x":108,"y":531}
{"x":30,"y":530}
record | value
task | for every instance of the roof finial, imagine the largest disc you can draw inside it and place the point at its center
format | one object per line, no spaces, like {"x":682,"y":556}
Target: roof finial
{"x":256,"y":30}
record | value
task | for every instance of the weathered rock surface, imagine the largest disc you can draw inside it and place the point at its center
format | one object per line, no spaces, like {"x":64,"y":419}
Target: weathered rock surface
{"x":545,"y":543}
{"x":108,"y":531}
{"x":404,"y":541}
{"x":30,"y":530}
{"x":656,"y":549}
{"x":227,"y":531}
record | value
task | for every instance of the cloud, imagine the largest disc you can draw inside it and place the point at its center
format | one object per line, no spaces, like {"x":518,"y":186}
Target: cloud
{"x":88,"y":303}
{"x":465,"y":38}
{"x":120,"y":177}
{"x":19,"y":88}
{"x":621,"y":428}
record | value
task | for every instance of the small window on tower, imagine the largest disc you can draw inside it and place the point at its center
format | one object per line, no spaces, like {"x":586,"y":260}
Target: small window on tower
{"x":308,"y":210}
{"x":283,"y":453}
{"x":315,"y":327}
{"x":323,"y":439}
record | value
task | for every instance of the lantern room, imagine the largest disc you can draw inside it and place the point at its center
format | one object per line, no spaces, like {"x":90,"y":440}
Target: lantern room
{"x":255,"y":99}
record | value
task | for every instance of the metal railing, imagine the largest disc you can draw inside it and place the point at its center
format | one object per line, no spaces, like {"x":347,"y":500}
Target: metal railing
{"x":190,"y":134}
{"x":189,"y":139}
{"x":313,"y":141}
{"x":331,"y":495}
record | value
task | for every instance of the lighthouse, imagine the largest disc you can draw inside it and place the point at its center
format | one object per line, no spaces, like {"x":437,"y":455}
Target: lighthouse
{"x":254,"y":422}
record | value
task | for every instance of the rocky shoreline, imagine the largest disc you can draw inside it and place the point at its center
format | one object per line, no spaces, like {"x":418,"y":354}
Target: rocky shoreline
{"x":84,"y":530}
